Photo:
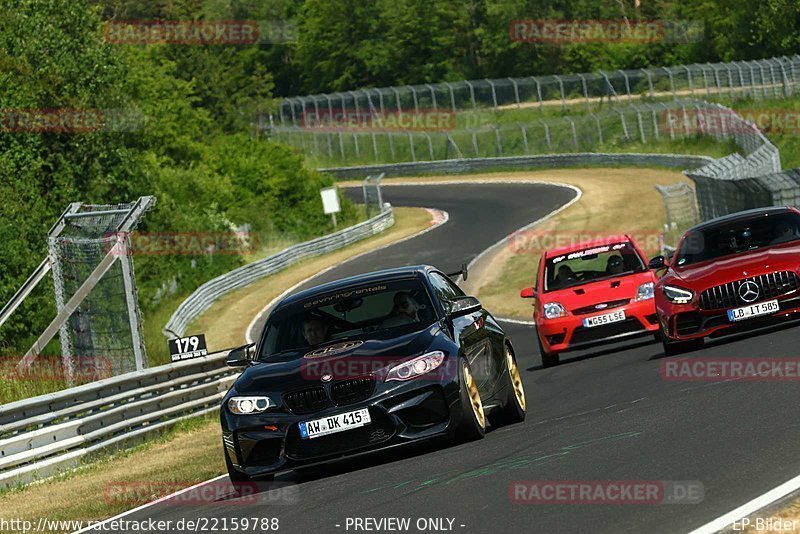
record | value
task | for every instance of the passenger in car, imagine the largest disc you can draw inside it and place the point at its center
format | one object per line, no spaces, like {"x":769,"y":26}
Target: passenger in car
{"x":404,"y":310}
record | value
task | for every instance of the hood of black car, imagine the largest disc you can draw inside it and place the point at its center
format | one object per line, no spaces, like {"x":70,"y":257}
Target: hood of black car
{"x":352,"y":358}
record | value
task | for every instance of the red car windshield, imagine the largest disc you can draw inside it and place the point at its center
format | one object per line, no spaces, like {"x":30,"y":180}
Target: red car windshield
{"x":591,"y":264}
{"x":736,"y":237}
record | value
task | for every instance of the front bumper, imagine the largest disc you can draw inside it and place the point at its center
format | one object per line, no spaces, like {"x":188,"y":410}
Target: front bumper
{"x":271,"y":442}
{"x":684,"y":322}
{"x":568,"y":333}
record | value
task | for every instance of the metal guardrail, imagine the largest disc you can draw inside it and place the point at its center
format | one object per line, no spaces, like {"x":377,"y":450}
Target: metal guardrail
{"x":202,"y":299}
{"x":45,"y":435}
{"x":469,"y":165}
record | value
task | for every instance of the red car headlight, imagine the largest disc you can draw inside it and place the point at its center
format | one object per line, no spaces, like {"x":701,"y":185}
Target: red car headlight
{"x":677,"y":295}
{"x":554,"y":310}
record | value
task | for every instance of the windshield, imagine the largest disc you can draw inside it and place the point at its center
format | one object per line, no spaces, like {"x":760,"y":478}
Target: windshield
{"x":591,"y":264}
{"x":379,"y":311}
{"x":737,"y":237}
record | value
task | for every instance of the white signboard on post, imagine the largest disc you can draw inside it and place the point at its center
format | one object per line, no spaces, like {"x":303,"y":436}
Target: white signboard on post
{"x":330,"y":202}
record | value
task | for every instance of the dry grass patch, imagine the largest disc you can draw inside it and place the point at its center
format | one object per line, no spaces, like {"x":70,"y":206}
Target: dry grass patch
{"x":181,"y":459}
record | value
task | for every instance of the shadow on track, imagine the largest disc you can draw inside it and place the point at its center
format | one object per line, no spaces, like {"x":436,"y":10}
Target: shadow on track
{"x":721,"y":341}
{"x":644,"y":342}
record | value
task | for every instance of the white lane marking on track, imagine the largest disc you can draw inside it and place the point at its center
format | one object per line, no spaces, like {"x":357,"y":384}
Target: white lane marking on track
{"x":515,"y":321}
{"x":96,"y":526}
{"x":438,"y":218}
{"x":762,"y":501}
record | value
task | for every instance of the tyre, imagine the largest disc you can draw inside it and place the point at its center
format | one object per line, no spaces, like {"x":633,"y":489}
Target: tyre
{"x":473,"y":420}
{"x":514,"y":409}
{"x":236,"y":476}
{"x":673,"y":348}
{"x":549,"y":359}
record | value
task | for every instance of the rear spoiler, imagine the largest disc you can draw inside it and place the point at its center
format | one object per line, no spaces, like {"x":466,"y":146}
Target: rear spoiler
{"x":462,"y":273}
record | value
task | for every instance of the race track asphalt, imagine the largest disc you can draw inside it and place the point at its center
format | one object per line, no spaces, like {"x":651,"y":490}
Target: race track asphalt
{"x":604,"y":414}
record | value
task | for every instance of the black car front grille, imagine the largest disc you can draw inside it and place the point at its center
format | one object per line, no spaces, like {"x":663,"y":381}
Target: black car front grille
{"x":770,"y":285}
{"x":307,"y":400}
{"x":380,"y":429}
{"x":598,"y":333}
{"x":688,"y":323}
{"x":353,"y":390}
{"x":594,"y":307}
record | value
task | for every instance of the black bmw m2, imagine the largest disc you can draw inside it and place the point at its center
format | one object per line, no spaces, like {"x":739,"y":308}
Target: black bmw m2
{"x":366,"y":363}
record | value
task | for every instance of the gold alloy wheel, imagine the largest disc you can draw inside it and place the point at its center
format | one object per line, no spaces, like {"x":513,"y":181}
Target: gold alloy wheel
{"x":516,"y":379}
{"x":474,"y":396}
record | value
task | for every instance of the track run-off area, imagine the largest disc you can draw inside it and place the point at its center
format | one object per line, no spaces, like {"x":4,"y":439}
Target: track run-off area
{"x":604,"y":414}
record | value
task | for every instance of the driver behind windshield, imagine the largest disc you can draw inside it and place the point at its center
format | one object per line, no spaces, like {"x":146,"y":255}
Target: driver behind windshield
{"x":315,"y":331}
{"x":565,"y":275}
{"x":615,"y":265}
{"x":404,"y":310}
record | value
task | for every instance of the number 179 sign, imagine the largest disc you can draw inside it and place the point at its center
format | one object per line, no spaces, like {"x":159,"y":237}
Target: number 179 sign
{"x":186,"y":348}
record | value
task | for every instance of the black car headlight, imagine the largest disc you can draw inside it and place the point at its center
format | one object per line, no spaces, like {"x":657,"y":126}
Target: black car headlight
{"x":677,"y":295}
{"x":249,"y":405}
{"x":416,"y":367}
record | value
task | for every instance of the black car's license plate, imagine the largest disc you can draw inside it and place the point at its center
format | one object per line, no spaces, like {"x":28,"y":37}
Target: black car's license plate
{"x":334,"y":423}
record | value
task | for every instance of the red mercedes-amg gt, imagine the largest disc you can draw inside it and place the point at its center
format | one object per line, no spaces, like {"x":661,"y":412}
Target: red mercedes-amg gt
{"x":730,"y":274}
{"x":591,"y":293}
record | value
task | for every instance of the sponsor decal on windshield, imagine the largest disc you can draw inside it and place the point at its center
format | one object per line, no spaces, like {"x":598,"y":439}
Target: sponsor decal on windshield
{"x":344,"y":295}
{"x":588,"y":252}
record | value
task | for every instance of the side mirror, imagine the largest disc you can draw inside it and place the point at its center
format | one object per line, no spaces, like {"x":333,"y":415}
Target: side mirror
{"x":528,"y":293}
{"x":240,"y":356}
{"x":463,"y":306}
{"x":657,"y":263}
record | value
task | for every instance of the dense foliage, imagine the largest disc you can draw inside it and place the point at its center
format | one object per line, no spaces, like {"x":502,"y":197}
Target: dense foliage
{"x":344,"y":44}
{"x":191,"y":149}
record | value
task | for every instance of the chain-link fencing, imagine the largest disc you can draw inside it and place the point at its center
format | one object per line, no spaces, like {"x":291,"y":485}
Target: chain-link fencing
{"x":767,"y":78}
{"x":373,"y":198}
{"x":635,"y":124}
{"x":106,"y":324}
